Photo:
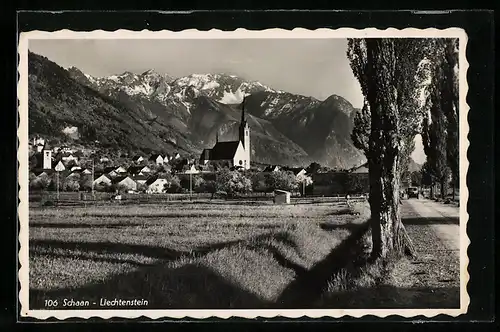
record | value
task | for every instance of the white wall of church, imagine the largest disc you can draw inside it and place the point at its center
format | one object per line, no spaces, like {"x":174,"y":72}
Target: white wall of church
{"x":241,"y":155}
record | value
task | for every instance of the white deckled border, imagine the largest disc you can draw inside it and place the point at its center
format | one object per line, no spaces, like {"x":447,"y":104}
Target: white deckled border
{"x":237,"y":34}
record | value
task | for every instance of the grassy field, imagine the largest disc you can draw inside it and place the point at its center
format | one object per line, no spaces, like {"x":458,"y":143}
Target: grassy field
{"x":190,"y":255}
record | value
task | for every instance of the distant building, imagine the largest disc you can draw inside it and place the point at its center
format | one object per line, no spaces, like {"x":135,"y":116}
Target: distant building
{"x":235,"y":153}
{"x":360,"y":169}
{"x":139,"y":170}
{"x":38,"y":144}
{"x":68,"y":156}
{"x":113,"y":171}
{"x":43,"y":173}
{"x":137,"y":159}
{"x":298,"y":171}
{"x":156,"y":158}
{"x":102,"y":179}
{"x":140,"y":179}
{"x":125,"y":181}
{"x":59,"y":167}
{"x":272,"y":168}
{"x":193,"y":169}
{"x":282,"y":197}
{"x":156,"y":184}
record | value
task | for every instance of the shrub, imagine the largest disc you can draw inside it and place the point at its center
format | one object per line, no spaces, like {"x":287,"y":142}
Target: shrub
{"x":283,"y":180}
{"x":232,"y":182}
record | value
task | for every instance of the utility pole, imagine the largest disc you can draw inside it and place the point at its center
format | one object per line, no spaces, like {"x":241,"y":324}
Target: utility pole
{"x":57,"y":174}
{"x":304,"y":187}
{"x":92,"y":184}
{"x":190,"y":185}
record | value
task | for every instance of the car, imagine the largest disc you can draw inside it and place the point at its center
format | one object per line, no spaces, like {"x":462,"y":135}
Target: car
{"x":413,"y":192}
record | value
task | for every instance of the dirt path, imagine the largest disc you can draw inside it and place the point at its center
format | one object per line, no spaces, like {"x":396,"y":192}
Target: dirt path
{"x":433,"y":278}
{"x":442,"y":219}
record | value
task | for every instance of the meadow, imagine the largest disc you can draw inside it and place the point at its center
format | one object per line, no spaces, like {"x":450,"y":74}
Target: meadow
{"x":211,"y":254}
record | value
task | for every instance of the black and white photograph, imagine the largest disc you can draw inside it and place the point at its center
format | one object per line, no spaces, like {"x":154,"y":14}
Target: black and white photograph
{"x":243,"y":173}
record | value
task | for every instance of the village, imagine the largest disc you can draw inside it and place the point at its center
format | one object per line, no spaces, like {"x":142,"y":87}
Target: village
{"x":67,"y":169}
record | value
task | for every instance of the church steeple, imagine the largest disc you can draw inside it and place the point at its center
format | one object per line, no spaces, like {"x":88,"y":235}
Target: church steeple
{"x":244,"y":136}
{"x":243,"y":122}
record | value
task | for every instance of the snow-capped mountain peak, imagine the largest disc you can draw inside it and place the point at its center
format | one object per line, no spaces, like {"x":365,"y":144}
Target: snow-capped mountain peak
{"x":226,"y":89}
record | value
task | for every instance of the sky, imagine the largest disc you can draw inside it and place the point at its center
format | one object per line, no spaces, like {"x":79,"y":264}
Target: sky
{"x":310,"y":67}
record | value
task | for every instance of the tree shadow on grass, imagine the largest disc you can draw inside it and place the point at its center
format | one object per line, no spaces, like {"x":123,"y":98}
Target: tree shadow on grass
{"x":308,"y":286}
{"x":191,"y":286}
{"x":109,"y":247}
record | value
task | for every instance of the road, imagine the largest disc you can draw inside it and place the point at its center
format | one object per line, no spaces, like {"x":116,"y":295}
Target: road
{"x":442,"y":220}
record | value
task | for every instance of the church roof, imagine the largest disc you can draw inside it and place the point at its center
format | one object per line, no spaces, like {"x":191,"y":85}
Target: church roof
{"x":224,"y":150}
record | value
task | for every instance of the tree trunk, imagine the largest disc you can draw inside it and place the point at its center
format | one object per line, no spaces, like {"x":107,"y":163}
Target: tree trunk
{"x":444,"y":187}
{"x":388,"y":233}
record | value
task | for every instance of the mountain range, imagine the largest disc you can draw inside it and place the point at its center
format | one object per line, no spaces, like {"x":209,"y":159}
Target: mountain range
{"x":153,"y":112}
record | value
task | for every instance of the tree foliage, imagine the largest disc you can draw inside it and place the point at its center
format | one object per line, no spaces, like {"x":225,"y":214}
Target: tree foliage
{"x":232,"y":182}
{"x":387,"y":70}
{"x":173,"y":184}
{"x":283,"y":180}
{"x":314,"y":167}
{"x":440,"y":125}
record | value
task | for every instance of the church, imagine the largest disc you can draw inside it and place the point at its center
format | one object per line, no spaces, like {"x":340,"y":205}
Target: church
{"x":231,"y":153}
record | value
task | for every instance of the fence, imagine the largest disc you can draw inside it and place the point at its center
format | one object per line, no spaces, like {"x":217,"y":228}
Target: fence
{"x":162,"y":197}
{"x":139,"y":197}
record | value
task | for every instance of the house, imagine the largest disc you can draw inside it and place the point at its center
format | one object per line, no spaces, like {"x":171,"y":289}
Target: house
{"x":193,"y":169}
{"x":282,"y":197}
{"x":68,"y":156}
{"x":301,"y":176}
{"x":272,"y":168}
{"x":102,"y":179}
{"x":114,"y":171}
{"x":43,"y":173}
{"x":360,"y":169}
{"x":125,"y":181}
{"x":140,"y":179}
{"x":175,"y":156}
{"x":120,"y":170}
{"x":156,"y":184}
{"x":59,"y":167}
{"x":139,"y":170}
{"x":66,"y":149}
{"x":298,"y":171}
{"x":235,"y":153}
{"x":104,"y":160}
{"x":38,"y":144}
{"x":157,"y":158}
{"x":79,"y":170}
{"x":137,"y":159}
{"x":110,"y":171}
